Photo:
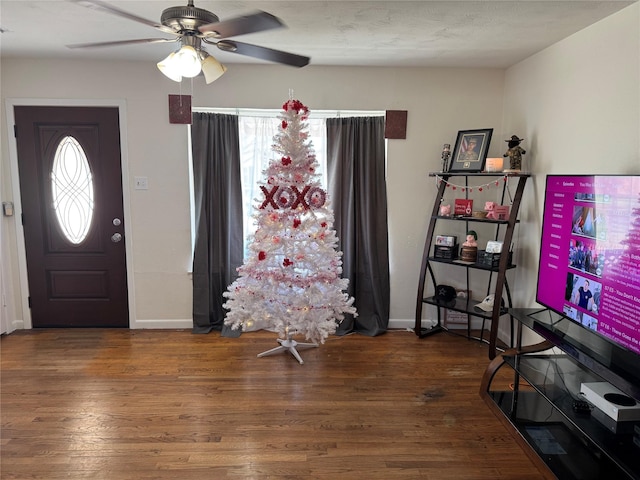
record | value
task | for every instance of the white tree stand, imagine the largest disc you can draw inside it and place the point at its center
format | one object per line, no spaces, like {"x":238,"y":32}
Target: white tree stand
{"x":288,"y":344}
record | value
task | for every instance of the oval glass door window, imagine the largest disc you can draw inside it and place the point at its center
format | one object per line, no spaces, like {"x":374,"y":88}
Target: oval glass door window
{"x":72,"y":189}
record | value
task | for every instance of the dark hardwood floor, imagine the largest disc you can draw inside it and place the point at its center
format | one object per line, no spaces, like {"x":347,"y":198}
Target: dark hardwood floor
{"x":158,"y":404}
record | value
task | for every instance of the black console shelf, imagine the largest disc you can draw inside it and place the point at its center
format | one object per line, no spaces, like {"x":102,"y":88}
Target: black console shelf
{"x":564,"y":443}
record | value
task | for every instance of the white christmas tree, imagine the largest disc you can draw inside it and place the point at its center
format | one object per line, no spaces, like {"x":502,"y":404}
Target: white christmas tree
{"x":290,"y":282}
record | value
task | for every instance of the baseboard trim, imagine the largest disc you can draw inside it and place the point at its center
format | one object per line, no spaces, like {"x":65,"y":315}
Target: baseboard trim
{"x":167,"y":324}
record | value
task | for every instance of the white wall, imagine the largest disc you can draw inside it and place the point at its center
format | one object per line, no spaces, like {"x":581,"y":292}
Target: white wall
{"x":577,"y":104}
{"x":440,"y":103}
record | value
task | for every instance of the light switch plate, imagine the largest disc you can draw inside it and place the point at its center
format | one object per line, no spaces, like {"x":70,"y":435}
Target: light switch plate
{"x":142,"y":183}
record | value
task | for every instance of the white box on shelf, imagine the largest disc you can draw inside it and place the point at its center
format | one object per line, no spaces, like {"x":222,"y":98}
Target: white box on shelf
{"x":595,"y":393}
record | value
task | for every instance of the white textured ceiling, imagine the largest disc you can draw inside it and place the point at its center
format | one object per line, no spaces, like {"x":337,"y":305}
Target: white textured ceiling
{"x":367,"y":33}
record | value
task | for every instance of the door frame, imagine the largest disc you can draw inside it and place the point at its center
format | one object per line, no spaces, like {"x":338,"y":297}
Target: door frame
{"x":10,"y":103}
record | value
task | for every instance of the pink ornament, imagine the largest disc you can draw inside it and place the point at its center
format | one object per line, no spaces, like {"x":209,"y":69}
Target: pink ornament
{"x":490,"y":208}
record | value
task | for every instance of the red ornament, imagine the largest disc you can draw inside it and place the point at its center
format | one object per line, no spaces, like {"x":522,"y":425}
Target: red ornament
{"x":496,"y":182}
{"x":296,"y":222}
{"x":286,"y":161}
{"x":323,"y":224}
{"x":454,"y":187}
{"x":262,"y":255}
{"x":480,"y":188}
{"x":296,"y":105}
{"x":287,"y":262}
{"x":284,"y":124}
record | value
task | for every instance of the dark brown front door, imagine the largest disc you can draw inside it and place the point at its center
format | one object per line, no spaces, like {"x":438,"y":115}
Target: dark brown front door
{"x":71,"y":191}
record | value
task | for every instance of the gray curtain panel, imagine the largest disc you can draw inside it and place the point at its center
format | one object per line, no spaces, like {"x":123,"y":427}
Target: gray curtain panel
{"x":218,"y":217}
{"x":357,"y":185}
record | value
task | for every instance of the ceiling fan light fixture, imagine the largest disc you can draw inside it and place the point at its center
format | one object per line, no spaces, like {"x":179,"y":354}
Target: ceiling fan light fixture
{"x":187,"y":61}
{"x":212,"y":69}
{"x":169,"y":68}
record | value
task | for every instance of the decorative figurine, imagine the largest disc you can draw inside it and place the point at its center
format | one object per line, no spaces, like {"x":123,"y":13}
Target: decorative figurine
{"x":515,"y":153}
{"x":472,"y":239}
{"x":490,"y":208}
{"x":469,"y":250}
{"x":446,"y":152}
{"x":445,"y":210}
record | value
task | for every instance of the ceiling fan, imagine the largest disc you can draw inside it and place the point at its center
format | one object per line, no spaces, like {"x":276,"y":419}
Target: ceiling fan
{"x":193,"y":26}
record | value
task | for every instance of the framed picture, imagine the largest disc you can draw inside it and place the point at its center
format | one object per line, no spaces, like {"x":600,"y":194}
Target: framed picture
{"x":452,"y":317}
{"x":470,"y":152}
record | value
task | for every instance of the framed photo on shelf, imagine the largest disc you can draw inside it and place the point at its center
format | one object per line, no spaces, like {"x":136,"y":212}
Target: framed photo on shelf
{"x":452,"y":317}
{"x":470,"y":152}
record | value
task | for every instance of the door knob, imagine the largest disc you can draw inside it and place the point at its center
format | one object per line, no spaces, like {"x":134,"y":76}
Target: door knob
{"x":116,"y":237}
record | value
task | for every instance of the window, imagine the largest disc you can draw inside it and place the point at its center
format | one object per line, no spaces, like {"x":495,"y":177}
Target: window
{"x":256,"y":139}
{"x":72,"y":190}
{"x":257,"y":129}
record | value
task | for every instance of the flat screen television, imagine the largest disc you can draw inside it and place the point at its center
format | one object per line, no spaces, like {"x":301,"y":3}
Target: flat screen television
{"x":589,"y":269}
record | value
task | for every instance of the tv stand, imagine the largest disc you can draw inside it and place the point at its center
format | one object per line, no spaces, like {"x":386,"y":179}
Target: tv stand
{"x":539,"y":400}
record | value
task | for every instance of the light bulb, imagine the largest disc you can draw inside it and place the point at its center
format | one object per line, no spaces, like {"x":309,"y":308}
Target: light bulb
{"x":187,"y":61}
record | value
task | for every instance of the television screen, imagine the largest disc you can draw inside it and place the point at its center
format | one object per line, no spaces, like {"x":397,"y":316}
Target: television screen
{"x":590,"y":254}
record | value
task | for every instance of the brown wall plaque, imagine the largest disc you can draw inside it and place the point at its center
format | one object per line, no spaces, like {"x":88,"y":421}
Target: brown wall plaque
{"x":395,"y":125}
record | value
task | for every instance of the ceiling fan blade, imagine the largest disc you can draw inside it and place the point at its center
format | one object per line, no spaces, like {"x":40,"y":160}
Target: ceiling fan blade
{"x":255,"y":22}
{"x":101,"y":6}
{"x":263,"y":53}
{"x":122,"y":42}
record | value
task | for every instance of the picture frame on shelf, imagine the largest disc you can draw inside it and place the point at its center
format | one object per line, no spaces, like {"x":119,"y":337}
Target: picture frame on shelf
{"x":470,"y":152}
{"x":453,"y":317}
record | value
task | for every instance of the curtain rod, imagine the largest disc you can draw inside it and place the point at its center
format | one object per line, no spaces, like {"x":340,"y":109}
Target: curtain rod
{"x":264,"y":112}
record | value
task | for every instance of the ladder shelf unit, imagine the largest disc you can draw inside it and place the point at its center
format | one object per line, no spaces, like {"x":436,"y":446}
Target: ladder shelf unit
{"x":504,"y":230}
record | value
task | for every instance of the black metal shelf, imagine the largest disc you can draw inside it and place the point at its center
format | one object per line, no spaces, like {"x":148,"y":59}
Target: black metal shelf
{"x":460,"y":218}
{"x":480,"y":174}
{"x":464,"y":305}
{"x":505,"y":262}
{"x":460,"y":263}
